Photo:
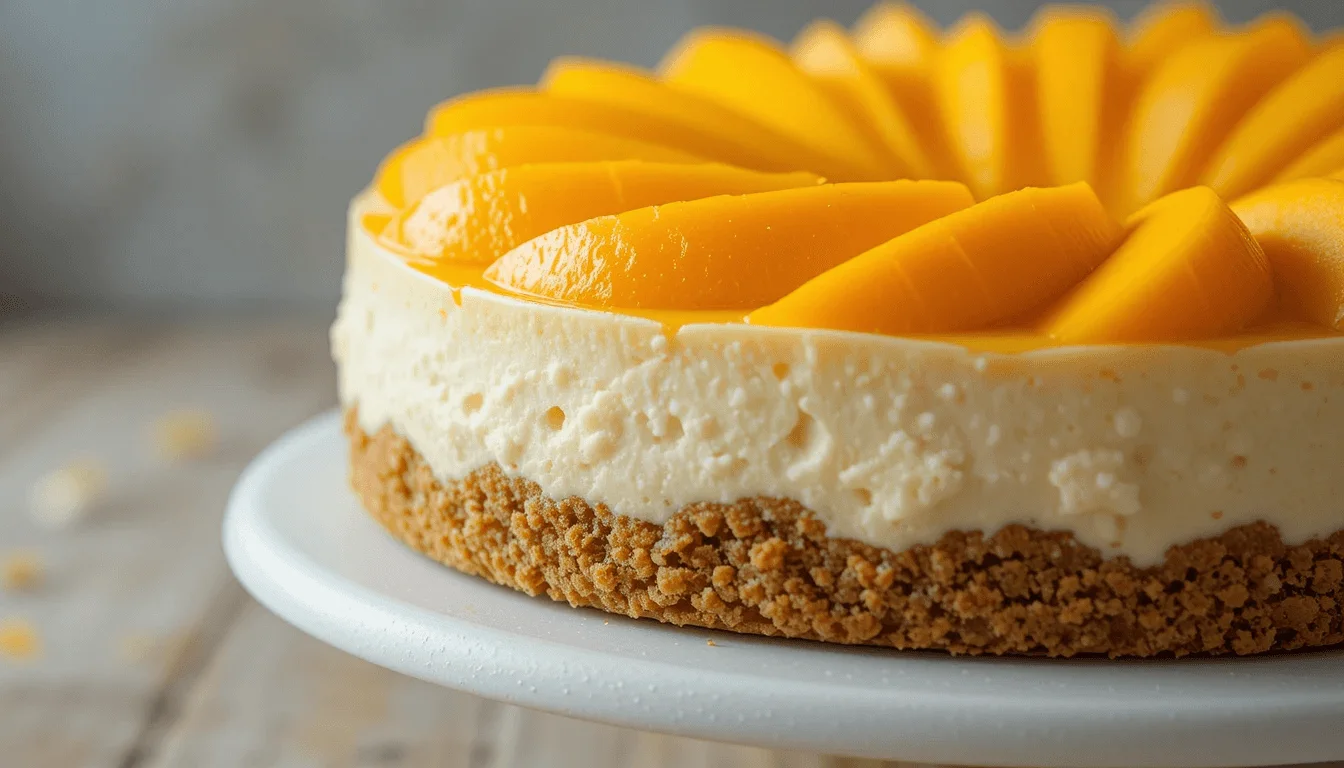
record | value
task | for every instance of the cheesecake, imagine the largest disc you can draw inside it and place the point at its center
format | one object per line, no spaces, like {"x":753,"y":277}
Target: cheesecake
{"x":962,"y":340}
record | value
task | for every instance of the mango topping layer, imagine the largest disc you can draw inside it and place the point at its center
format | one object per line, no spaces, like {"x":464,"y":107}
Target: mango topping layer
{"x":1171,"y":180}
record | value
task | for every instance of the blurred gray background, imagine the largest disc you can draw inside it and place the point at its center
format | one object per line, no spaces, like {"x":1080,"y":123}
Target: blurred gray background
{"x":198,"y":154}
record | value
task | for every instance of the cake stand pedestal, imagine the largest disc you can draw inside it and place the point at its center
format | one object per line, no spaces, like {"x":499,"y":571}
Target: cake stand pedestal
{"x":299,"y":542}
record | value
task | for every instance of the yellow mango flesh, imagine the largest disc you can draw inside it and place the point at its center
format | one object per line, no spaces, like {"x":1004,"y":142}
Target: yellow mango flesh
{"x":426,"y":164}
{"x":727,"y":135}
{"x":972,"y":270}
{"x":1300,"y":225}
{"x":988,"y":102}
{"x":521,"y":107}
{"x":1078,"y":81}
{"x":1323,"y":158}
{"x":724,"y":253}
{"x":1187,"y":270}
{"x":751,"y":75}
{"x":902,"y":46}
{"x":1164,"y":27}
{"x":824,"y":51}
{"x":474,"y":220}
{"x":1301,"y":111}
{"x":1196,"y":97}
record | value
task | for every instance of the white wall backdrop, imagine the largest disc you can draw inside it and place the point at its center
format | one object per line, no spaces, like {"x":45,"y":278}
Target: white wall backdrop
{"x":200,"y":153}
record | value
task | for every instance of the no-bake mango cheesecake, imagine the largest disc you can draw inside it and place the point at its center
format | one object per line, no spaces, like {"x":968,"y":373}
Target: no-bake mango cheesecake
{"x":958,"y":339}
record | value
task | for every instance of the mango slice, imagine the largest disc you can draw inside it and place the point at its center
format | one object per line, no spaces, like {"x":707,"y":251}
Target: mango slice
{"x":750,"y":74}
{"x":902,"y":46}
{"x":729,"y":252}
{"x":1162,"y":28}
{"x":425,"y":164}
{"x":1189,"y":269}
{"x":824,"y":51}
{"x":726,"y":134}
{"x":1195,"y":98}
{"x":1078,"y":81}
{"x":988,"y":102}
{"x":507,"y":107}
{"x":1323,"y":158}
{"x":1300,"y":111}
{"x":1300,"y":224}
{"x":972,"y":270}
{"x":474,"y":220}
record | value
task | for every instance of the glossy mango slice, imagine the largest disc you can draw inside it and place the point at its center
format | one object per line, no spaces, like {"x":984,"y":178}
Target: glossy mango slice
{"x":972,"y":270}
{"x":1164,"y":27}
{"x":988,"y":101}
{"x":902,"y":46}
{"x":729,"y":252}
{"x":507,"y":107}
{"x":474,"y":220}
{"x":750,"y":74}
{"x":1300,"y":225}
{"x":1188,"y":269}
{"x":1078,"y":81}
{"x":824,"y":51}
{"x":896,"y":35}
{"x":426,"y":164}
{"x":1196,"y":97}
{"x":1322,"y":159}
{"x":728,"y":135}
{"x":1299,"y":112}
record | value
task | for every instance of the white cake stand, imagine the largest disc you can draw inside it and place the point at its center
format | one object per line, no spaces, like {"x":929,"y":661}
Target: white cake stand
{"x":299,"y":542}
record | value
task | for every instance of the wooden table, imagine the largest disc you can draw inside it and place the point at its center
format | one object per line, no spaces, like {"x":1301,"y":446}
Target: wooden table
{"x":152,"y":655}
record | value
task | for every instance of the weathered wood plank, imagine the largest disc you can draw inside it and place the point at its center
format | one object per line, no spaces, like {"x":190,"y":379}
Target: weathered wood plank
{"x":273,"y":696}
{"x":135,"y":596}
{"x":47,"y":364}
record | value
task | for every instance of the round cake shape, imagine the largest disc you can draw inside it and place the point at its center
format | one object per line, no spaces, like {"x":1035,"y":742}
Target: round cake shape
{"x":615,"y":341}
{"x":851,"y":487}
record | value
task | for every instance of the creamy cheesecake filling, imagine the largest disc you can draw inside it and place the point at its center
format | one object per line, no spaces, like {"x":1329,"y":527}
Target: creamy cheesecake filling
{"x":890,"y":441}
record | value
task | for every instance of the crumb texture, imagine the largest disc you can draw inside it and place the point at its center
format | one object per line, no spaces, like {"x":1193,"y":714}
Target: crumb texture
{"x":765,"y":566}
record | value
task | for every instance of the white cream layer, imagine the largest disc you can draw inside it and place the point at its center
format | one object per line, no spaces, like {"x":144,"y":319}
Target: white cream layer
{"x":891,"y":441}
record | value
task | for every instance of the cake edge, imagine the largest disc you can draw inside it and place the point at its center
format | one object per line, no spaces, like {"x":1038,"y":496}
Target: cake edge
{"x":765,"y":566}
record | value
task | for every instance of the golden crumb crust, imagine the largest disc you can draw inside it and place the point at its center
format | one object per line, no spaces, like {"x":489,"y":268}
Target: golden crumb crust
{"x":765,"y":566}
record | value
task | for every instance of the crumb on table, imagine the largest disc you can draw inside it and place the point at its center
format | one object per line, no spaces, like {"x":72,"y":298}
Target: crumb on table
{"x":65,"y":496}
{"x":19,"y":639}
{"x":184,"y":434}
{"x":20,"y":571}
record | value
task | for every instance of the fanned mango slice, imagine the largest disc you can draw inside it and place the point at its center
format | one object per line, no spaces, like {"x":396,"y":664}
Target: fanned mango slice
{"x":1300,"y":224}
{"x":1300,"y":111}
{"x":750,"y":74}
{"x":988,"y":101}
{"x":1078,"y":81}
{"x":523,"y":107}
{"x":1324,"y":158}
{"x":1196,"y":97}
{"x":902,"y":46}
{"x":824,"y":51}
{"x":476,"y":219}
{"x":426,"y":164}
{"x":972,"y":270}
{"x":731,"y":136}
{"x":729,"y":252}
{"x":1189,"y":269}
{"x":1163,"y":28}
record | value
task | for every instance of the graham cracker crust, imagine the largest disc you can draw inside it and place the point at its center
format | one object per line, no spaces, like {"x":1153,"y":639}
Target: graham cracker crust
{"x":765,"y":566}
